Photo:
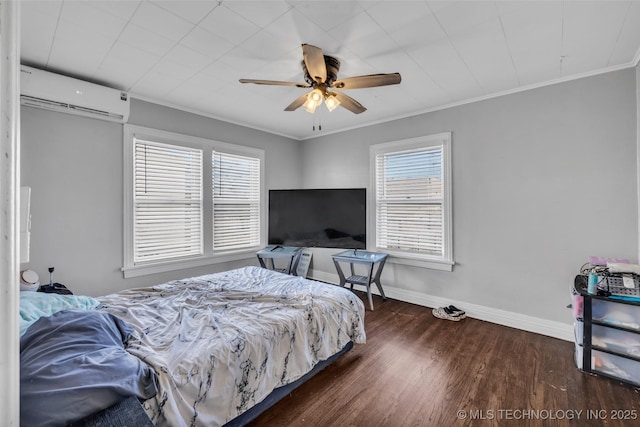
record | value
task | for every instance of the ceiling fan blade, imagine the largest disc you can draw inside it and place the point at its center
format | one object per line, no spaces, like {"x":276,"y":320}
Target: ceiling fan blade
{"x":274,"y":82}
{"x":349,"y":103}
{"x":297,"y":103}
{"x":371,"y":80}
{"x":314,"y":61}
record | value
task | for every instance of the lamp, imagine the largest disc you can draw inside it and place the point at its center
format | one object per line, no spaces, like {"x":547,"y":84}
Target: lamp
{"x":331,"y":101}
{"x":314,"y":98}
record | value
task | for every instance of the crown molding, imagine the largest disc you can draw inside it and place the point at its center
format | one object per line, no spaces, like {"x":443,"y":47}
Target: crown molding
{"x":491,"y":96}
{"x":565,"y":79}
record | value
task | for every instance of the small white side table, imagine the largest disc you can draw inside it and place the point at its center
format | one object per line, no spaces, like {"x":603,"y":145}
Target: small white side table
{"x":354,"y":256}
{"x":271,"y":253}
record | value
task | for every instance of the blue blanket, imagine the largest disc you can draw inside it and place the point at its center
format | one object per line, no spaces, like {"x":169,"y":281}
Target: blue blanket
{"x":73,"y":364}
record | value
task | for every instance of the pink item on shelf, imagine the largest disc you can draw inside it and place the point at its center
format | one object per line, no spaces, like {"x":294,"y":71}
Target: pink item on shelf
{"x":577,"y":305}
{"x":596,"y":260}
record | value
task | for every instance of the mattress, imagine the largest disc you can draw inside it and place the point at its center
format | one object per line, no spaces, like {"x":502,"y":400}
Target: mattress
{"x":221,"y":343}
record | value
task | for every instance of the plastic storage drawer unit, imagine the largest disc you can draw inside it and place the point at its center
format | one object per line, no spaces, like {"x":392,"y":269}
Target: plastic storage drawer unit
{"x":610,"y":365}
{"x":610,"y":339}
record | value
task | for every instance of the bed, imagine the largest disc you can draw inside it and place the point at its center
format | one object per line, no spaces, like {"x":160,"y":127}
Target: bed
{"x":219,"y":348}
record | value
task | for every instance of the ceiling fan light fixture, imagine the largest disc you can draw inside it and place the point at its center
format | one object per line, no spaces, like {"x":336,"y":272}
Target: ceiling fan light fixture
{"x":311,"y":108}
{"x":330,"y":101}
{"x":314,"y":98}
{"x":321,"y":74}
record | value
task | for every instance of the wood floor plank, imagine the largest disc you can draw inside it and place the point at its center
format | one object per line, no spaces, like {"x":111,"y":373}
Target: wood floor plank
{"x":417,"y":370}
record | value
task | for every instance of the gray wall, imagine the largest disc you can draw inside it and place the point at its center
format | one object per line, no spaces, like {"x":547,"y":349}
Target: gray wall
{"x":541,"y":180}
{"x":74,"y":167}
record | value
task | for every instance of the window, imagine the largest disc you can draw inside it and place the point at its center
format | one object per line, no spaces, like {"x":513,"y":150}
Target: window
{"x":182,"y":211}
{"x":167,"y":201}
{"x":411,"y":201}
{"x":236,"y":201}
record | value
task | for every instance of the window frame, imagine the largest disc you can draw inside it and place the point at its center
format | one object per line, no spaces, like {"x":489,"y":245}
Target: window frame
{"x":444,"y":262}
{"x":208,"y":146}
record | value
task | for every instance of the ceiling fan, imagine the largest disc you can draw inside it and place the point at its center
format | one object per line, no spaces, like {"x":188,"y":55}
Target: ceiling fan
{"x":321,"y":73}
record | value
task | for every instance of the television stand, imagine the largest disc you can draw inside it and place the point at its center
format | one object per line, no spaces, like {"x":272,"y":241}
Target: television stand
{"x":273,"y":252}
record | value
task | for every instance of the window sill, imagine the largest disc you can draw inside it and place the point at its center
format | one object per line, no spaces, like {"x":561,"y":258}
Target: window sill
{"x":147,"y":269}
{"x":433,"y":264}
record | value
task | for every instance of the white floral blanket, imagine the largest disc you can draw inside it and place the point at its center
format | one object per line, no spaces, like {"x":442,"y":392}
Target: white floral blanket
{"x":221,"y":343}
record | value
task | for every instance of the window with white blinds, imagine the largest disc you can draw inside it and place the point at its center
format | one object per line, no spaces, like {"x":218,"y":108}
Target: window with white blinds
{"x":409,"y":201}
{"x":236,"y":201}
{"x":167,"y":205}
{"x":412,"y":198}
{"x":189,"y":201}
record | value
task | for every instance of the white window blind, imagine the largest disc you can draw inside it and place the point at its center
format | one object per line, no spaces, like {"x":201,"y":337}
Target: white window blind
{"x":409,"y":201}
{"x":167,"y":217}
{"x":236,"y":201}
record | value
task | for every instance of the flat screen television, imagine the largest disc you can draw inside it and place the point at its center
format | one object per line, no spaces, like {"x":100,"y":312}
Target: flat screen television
{"x":323,"y":218}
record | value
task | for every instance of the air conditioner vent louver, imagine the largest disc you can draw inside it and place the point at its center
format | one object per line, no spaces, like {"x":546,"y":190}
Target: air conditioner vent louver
{"x":42,"y":103}
{"x":49,"y":91}
{"x":47,"y":104}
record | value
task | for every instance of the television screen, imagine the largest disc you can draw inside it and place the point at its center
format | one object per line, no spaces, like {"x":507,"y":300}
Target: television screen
{"x":324,"y":218}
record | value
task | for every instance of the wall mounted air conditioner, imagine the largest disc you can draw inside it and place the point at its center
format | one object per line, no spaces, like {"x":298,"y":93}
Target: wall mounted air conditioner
{"x":42,"y":89}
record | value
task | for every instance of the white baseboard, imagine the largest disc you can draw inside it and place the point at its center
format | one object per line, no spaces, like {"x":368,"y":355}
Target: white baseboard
{"x":563,"y":331}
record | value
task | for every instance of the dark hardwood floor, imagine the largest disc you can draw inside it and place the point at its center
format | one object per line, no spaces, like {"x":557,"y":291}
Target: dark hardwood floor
{"x":417,"y":370}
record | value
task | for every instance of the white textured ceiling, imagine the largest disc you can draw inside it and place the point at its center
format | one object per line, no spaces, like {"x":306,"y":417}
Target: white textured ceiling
{"x":191,"y":53}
